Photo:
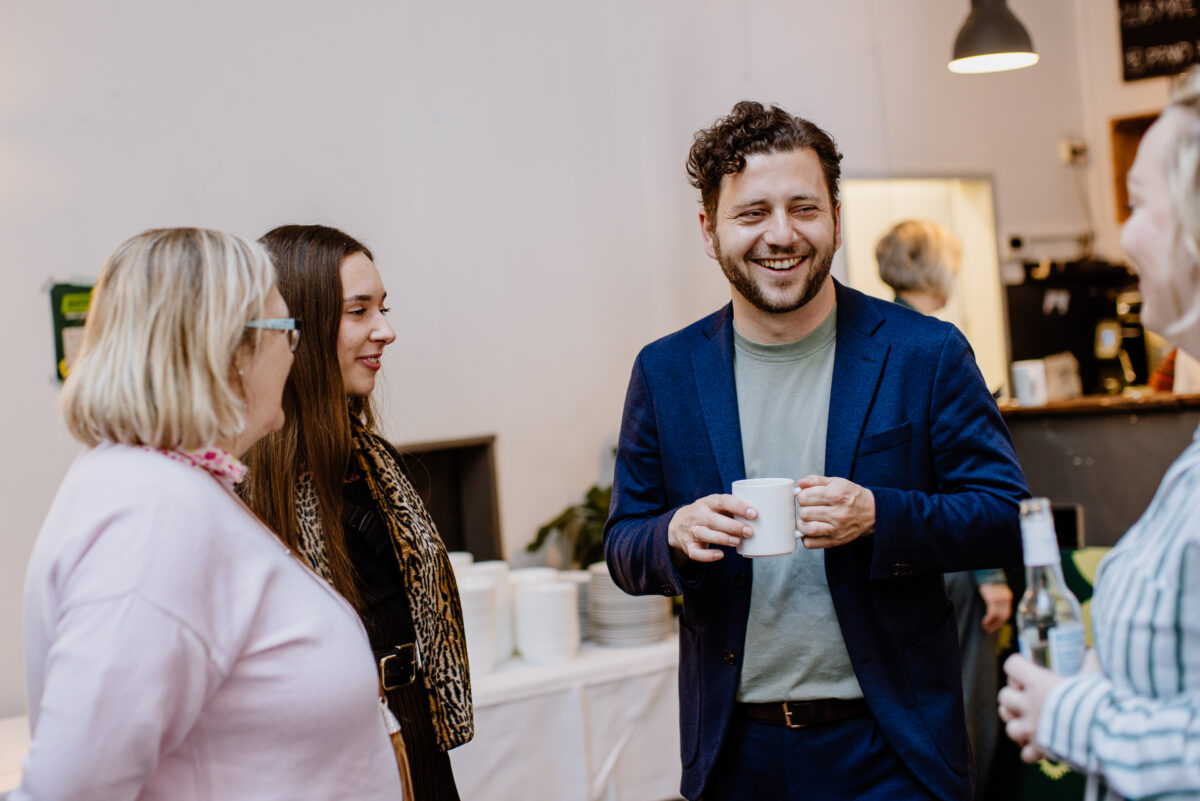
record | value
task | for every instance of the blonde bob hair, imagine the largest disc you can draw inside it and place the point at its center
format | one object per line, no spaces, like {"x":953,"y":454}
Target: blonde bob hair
{"x":166,"y":319}
{"x":1183,"y":183}
{"x":919,"y":256}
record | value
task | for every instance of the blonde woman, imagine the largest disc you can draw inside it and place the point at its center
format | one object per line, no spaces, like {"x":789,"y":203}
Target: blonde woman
{"x":919,"y":260}
{"x":174,"y":650}
{"x":1133,"y":721}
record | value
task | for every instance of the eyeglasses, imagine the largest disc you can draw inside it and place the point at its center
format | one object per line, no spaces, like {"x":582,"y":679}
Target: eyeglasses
{"x":289,"y":325}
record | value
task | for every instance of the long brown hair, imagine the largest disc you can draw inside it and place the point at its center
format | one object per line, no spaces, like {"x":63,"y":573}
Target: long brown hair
{"x":316,"y":435}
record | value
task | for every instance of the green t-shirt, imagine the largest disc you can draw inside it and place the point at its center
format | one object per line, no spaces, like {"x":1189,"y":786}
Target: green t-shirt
{"x":794,"y":647}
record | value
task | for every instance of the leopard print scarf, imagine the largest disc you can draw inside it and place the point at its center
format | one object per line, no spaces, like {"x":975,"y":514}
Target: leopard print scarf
{"x":428,"y":580}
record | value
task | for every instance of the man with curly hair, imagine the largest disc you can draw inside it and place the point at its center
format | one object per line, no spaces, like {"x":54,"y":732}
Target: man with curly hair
{"x":832,"y":672}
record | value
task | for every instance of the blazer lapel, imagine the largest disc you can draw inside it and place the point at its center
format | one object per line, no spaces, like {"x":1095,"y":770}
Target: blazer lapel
{"x":712,"y":366}
{"x":857,"y":367}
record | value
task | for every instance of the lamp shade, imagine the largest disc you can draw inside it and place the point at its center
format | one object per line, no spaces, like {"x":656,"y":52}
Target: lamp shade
{"x":992,"y":39}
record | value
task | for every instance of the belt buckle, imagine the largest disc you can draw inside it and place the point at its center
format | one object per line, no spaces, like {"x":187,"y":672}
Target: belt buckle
{"x":408,"y":653}
{"x":787,"y":718}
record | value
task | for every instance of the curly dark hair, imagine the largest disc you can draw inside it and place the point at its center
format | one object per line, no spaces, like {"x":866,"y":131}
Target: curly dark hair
{"x":750,"y":128}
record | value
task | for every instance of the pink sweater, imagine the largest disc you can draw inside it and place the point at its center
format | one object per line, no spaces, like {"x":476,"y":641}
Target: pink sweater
{"x":174,"y":649}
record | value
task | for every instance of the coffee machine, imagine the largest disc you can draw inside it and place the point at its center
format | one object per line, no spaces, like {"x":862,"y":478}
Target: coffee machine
{"x":1089,"y":307}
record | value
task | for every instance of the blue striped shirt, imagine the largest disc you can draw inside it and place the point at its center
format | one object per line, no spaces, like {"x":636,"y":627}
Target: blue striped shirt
{"x":1137,"y":724}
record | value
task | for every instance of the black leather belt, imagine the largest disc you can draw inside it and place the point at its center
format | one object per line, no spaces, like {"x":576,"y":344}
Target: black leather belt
{"x":398,"y":666}
{"x":798,"y":714}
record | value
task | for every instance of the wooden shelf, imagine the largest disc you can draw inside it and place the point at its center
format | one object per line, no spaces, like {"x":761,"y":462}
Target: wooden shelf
{"x":1105,"y":404}
{"x":1127,"y":134}
{"x":457,"y":481}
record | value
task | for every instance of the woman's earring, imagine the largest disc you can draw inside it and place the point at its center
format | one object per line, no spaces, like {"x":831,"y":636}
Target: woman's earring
{"x":240,"y":372}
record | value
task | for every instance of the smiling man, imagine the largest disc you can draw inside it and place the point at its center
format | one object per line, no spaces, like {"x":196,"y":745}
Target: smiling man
{"x":832,"y":672}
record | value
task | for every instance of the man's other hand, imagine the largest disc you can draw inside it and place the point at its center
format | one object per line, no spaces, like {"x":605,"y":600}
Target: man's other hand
{"x":997,"y":599}
{"x":695,"y":528}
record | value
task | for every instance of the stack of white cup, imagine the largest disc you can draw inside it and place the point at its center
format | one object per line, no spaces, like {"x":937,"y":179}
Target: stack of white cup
{"x":498,"y":571}
{"x":460,"y":560}
{"x":478,"y":594}
{"x":547,"y":621}
{"x":532,"y":575}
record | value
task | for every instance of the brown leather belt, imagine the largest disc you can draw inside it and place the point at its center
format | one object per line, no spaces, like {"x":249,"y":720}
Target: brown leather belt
{"x":798,"y":714}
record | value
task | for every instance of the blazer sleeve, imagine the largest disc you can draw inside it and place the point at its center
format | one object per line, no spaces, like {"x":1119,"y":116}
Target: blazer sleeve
{"x":635,"y":535}
{"x":967,"y":515}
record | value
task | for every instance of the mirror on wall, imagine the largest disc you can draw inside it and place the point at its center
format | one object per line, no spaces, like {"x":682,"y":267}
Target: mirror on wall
{"x":870,"y":207}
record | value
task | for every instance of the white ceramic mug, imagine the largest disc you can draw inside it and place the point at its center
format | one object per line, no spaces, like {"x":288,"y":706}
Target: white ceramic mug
{"x":775,"y":528}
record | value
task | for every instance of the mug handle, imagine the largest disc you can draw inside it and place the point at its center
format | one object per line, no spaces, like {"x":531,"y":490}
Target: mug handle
{"x":796,"y":511}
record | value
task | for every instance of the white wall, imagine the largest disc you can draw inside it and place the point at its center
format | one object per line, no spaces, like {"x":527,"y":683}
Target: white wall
{"x":517,"y":168}
{"x":1105,"y":96}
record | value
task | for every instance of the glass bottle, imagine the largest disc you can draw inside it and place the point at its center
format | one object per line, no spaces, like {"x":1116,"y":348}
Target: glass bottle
{"x":1049,"y":620}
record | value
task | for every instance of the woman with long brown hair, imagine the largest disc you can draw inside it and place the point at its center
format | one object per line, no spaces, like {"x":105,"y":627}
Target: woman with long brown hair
{"x":336,"y":493}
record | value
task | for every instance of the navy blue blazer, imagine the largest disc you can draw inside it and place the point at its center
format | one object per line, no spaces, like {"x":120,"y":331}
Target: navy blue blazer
{"x":911,"y":419}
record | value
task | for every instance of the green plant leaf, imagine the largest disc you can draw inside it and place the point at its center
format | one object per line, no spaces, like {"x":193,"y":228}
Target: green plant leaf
{"x":580,"y":527}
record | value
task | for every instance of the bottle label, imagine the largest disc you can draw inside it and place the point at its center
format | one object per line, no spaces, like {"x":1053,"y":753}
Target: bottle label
{"x":1040,"y":544}
{"x":1066,"y":648}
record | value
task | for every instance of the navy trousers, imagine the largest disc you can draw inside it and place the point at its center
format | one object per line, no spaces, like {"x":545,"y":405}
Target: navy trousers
{"x":847,"y":759}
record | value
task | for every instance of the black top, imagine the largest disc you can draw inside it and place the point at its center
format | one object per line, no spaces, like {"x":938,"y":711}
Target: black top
{"x":389,"y":623}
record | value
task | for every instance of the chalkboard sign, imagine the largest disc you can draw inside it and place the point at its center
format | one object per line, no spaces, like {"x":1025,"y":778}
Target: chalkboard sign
{"x":1159,"y":37}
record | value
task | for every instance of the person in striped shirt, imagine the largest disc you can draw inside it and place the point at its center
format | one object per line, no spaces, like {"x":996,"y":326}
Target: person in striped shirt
{"x":1132,"y":721}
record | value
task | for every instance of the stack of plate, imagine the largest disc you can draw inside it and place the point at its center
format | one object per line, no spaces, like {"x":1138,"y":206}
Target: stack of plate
{"x":498,"y":571}
{"x":625,"y":620}
{"x":547,"y":621}
{"x":478,"y":594}
{"x":581,"y":579}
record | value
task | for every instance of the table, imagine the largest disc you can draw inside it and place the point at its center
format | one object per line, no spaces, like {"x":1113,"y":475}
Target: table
{"x":602,"y":727}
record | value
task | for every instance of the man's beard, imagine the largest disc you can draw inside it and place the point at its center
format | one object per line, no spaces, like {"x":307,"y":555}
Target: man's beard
{"x":818,"y":271}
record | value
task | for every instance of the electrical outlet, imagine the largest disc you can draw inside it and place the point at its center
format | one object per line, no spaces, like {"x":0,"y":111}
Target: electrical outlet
{"x":1072,"y":152}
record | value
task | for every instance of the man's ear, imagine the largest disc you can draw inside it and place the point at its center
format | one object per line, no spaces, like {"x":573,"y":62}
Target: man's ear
{"x":706,"y":233}
{"x":837,"y":225}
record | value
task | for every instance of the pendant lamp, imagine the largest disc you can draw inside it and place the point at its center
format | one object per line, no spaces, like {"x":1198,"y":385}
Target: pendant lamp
{"x":992,"y":39}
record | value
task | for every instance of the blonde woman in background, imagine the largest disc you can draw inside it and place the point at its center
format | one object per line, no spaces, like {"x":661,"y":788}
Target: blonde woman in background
{"x":920,"y":260}
{"x":1133,"y":724}
{"x":174,"y":649}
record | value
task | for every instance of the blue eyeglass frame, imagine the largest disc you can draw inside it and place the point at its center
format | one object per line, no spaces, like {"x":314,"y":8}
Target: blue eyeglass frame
{"x":291,"y":325}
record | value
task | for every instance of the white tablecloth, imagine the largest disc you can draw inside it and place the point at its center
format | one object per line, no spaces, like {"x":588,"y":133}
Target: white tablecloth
{"x":602,"y":727}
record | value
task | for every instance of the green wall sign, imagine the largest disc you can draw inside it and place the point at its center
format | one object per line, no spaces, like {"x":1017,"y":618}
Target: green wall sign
{"x":68,"y":309}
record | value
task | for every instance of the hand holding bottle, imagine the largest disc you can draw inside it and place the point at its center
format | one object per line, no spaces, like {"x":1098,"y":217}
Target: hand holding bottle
{"x":1021,"y":702}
